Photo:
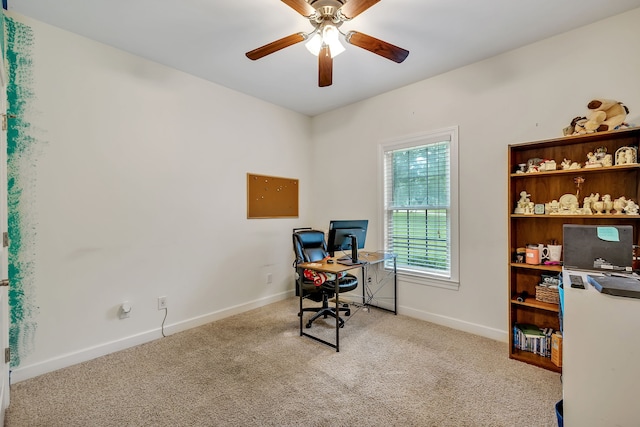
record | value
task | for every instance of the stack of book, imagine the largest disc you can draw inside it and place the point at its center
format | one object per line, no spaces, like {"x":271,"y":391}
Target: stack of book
{"x":531,"y":338}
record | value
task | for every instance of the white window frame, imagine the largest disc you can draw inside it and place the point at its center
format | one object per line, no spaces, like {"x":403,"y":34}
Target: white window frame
{"x":420,"y":277}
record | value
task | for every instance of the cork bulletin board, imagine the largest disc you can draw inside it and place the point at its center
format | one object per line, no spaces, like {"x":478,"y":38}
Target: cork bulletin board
{"x":271,"y":197}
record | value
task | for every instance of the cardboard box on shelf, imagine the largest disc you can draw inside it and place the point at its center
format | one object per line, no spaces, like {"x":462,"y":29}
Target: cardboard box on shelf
{"x":556,"y":349}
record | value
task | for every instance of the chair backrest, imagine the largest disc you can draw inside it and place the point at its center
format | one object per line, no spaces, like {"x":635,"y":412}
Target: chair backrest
{"x":309,"y":245}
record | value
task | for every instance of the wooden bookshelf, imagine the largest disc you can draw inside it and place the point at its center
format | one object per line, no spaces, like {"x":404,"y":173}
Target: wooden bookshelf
{"x":545,"y":186}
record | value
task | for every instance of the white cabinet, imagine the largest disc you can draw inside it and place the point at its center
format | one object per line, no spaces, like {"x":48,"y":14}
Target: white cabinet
{"x":601,"y":357}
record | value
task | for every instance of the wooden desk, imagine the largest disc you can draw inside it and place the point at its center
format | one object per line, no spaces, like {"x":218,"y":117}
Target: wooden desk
{"x":367,"y":259}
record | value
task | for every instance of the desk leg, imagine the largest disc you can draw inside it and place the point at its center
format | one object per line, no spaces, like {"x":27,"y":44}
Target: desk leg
{"x":299,"y":289}
{"x":369,"y":292}
{"x":337,"y":312}
{"x":365,"y":274}
{"x":395,"y":287}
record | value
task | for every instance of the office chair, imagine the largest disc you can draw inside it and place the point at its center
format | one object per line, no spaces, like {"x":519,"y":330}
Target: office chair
{"x":310,"y":246}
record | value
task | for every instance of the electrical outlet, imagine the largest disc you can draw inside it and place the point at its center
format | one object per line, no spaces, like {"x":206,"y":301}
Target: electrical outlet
{"x":162,"y":303}
{"x":269,"y":278}
{"x":125,"y":310}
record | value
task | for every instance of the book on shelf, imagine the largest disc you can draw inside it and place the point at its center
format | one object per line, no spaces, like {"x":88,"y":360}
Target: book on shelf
{"x":529,"y":337}
{"x":529,"y":329}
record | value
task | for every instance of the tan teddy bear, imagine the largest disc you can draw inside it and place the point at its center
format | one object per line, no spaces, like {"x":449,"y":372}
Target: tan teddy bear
{"x":604,"y":115}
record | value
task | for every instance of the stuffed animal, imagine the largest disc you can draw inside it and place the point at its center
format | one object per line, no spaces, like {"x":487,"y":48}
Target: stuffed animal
{"x":604,"y":115}
{"x":576,"y":127}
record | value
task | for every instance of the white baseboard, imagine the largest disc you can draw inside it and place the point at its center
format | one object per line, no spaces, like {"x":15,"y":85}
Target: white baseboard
{"x":29,"y":371}
{"x":25,"y":372}
{"x":461,"y":325}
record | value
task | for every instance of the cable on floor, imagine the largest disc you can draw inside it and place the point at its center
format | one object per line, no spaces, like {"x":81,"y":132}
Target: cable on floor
{"x":166,"y":311}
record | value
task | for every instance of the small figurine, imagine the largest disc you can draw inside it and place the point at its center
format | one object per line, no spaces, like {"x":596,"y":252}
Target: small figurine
{"x":607,"y":203}
{"x":619,"y":204}
{"x":552,"y":207}
{"x":621,"y":159}
{"x":598,"y":206}
{"x":586,"y":206}
{"x":574,"y":207}
{"x":592,"y":161}
{"x":629,"y":154}
{"x":590,"y":202}
{"x":599,"y":158}
{"x":568,"y":164}
{"x":579,"y":180}
{"x":533,"y":165}
{"x":631,"y":208}
{"x":626,"y":156}
{"x":548,"y":165}
{"x":525,"y":206}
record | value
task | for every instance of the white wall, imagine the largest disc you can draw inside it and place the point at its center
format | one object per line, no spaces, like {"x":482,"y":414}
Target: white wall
{"x":140,"y":182}
{"x":527,"y":94}
{"x":139,"y":191}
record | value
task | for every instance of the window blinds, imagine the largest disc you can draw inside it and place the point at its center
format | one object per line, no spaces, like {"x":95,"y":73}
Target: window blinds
{"x":417,"y":205}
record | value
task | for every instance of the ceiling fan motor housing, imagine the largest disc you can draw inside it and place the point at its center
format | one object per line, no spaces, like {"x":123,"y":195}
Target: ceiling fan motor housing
{"x":327,"y":10}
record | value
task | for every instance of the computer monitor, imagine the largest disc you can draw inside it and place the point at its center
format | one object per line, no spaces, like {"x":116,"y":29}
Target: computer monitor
{"x":598,"y":247}
{"x":347,"y":235}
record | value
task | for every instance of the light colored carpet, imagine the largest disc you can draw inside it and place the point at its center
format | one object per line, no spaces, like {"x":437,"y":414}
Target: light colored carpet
{"x":254,"y":369}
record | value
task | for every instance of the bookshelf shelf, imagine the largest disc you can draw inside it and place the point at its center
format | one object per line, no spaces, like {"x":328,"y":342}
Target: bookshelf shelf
{"x":532,"y":302}
{"x":572,"y":217}
{"x":534,"y":359}
{"x":582,"y":171}
{"x":556,"y":268}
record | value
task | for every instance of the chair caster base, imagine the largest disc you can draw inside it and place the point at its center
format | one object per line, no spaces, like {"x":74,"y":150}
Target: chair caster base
{"x":308,"y":324}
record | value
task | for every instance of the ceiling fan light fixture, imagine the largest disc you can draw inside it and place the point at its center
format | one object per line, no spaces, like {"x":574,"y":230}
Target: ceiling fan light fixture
{"x":314,"y":44}
{"x":330,"y":37}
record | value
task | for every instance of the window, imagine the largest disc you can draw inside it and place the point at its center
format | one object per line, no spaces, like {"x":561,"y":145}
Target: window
{"x":420,"y":205}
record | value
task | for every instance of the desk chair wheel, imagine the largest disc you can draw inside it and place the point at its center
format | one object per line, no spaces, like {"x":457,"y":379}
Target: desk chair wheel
{"x":341,"y":324}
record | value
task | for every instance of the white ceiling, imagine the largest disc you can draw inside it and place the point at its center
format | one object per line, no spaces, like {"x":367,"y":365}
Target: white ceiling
{"x":208,"y":39}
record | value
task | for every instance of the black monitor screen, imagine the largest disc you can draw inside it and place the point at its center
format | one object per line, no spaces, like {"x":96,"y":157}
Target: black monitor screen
{"x":598,"y":247}
{"x":341,"y":232}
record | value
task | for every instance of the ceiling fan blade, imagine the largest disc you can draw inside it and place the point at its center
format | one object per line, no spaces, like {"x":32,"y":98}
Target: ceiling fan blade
{"x":377,"y":46}
{"x":354,"y":8}
{"x":325,"y":67}
{"x":301,"y":6}
{"x":275,"y":46}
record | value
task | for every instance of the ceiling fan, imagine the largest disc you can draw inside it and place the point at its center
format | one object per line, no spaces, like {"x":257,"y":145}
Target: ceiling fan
{"x":327,"y":16}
